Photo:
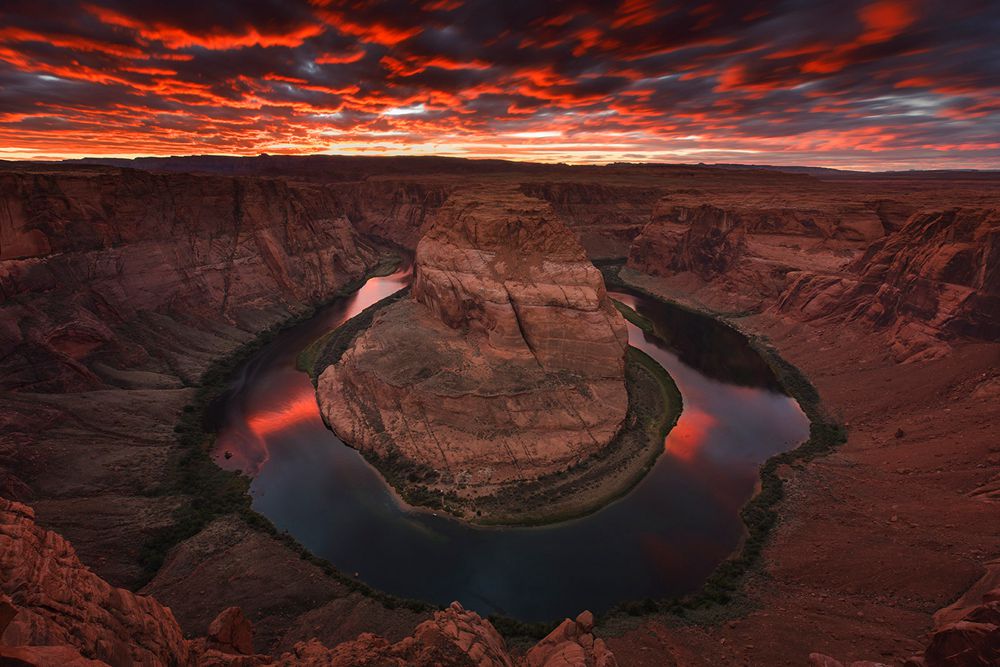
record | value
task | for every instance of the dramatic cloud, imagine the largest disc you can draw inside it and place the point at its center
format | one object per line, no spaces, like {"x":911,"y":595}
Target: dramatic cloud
{"x":860,"y":83}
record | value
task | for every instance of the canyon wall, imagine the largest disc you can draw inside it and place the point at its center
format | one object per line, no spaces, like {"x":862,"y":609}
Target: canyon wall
{"x":117,"y":289}
{"x":127,"y":279}
{"x":927,"y":282}
{"x":935,"y":280}
{"x":604,"y":217}
{"x":395,"y":210}
{"x":706,"y":241}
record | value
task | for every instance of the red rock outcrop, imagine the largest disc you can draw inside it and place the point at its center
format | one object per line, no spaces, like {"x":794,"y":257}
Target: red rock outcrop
{"x":60,"y":602}
{"x":937,"y":279}
{"x":506,"y":365}
{"x":453,"y":637}
{"x":231,"y":632}
{"x":571,"y":643}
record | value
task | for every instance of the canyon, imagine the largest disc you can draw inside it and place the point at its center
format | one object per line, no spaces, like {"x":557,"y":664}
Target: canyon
{"x":123,"y":283}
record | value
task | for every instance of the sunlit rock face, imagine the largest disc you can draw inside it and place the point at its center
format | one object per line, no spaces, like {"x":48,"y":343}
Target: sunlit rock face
{"x":504,"y":266}
{"x":935,"y":280}
{"x":507,"y":363}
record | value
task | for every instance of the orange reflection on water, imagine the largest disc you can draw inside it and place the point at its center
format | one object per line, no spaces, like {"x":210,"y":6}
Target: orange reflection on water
{"x":690,"y":434}
{"x":299,"y":409}
{"x":247,"y":447}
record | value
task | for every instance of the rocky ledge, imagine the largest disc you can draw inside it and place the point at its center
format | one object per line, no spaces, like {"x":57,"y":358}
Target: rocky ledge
{"x":506,"y":365}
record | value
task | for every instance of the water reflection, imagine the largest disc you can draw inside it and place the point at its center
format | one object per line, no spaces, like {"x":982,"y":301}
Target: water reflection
{"x":661,"y":539}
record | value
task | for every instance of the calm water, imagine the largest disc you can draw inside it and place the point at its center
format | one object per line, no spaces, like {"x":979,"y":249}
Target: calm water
{"x":662,"y":539}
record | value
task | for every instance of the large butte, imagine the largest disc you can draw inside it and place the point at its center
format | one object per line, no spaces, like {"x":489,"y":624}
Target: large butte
{"x":506,"y":364}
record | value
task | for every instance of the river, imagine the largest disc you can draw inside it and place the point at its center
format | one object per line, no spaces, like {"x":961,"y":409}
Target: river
{"x":662,"y":539}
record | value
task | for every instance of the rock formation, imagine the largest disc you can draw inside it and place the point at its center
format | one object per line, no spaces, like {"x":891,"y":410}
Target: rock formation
{"x":571,"y":643}
{"x":936,"y":279}
{"x":706,"y":241}
{"x":54,"y":611}
{"x":507,"y":364}
{"x":605,"y":217}
{"x":59,"y":602}
{"x":120,"y":278}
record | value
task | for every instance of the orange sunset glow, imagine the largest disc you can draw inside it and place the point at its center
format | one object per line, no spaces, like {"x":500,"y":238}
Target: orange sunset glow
{"x":862,"y":84}
{"x":250,"y":453}
{"x":690,"y":434}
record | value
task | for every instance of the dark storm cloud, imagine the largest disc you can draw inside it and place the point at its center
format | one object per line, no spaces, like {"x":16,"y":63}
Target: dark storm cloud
{"x":878,"y":83}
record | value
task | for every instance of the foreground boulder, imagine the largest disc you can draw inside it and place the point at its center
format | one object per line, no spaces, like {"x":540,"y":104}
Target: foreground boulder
{"x":507,"y":364}
{"x":453,"y":637}
{"x":571,"y":643}
{"x":57,"y":601}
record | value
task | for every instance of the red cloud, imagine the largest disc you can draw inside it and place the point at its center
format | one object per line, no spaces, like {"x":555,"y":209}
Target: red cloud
{"x":638,"y":79}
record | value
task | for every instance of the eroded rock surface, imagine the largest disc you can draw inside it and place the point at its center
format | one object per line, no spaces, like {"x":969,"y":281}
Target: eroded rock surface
{"x":60,"y":602}
{"x":571,"y":643}
{"x":936,"y":279}
{"x":126,"y":279}
{"x":706,"y":240}
{"x":507,"y":364}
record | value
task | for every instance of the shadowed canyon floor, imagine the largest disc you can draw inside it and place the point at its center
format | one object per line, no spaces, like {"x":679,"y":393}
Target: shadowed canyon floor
{"x":121,"y":286}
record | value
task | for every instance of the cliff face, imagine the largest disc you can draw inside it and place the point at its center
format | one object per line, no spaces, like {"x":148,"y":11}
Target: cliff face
{"x":604,"y":217}
{"x":55,"y":611}
{"x":936,"y":279}
{"x":706,"y":241}
{"x":107,"y":273}
{"x":391,"y":209}
{"x":55,"y":601}
{"x":794,"y":207}
{"x":506,"y":365}
{"x":117,"y":289}
{"x":502,"y":265}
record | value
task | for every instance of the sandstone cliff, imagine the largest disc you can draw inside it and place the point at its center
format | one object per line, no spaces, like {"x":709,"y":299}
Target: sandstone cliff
{"x":117,"y":289}
{"x":396,"y":210}
{"x":937,"y":279}
{"x":59,"y":602}
{"x":605,"y":217}
{"x":706,"y":241}
{"x":127,"y":279}
{"x":506,"y":365}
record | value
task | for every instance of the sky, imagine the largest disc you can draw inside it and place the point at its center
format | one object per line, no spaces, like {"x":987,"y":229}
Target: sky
{"x":856,"y":84}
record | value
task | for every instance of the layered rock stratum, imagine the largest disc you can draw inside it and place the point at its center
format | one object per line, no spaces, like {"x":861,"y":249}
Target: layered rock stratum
{"x":506,"y":365}
{"x":706,"y":240}
{"x":936,"y":279}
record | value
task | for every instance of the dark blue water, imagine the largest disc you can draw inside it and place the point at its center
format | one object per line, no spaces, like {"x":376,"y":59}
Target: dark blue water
{"x":663,"y":538}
